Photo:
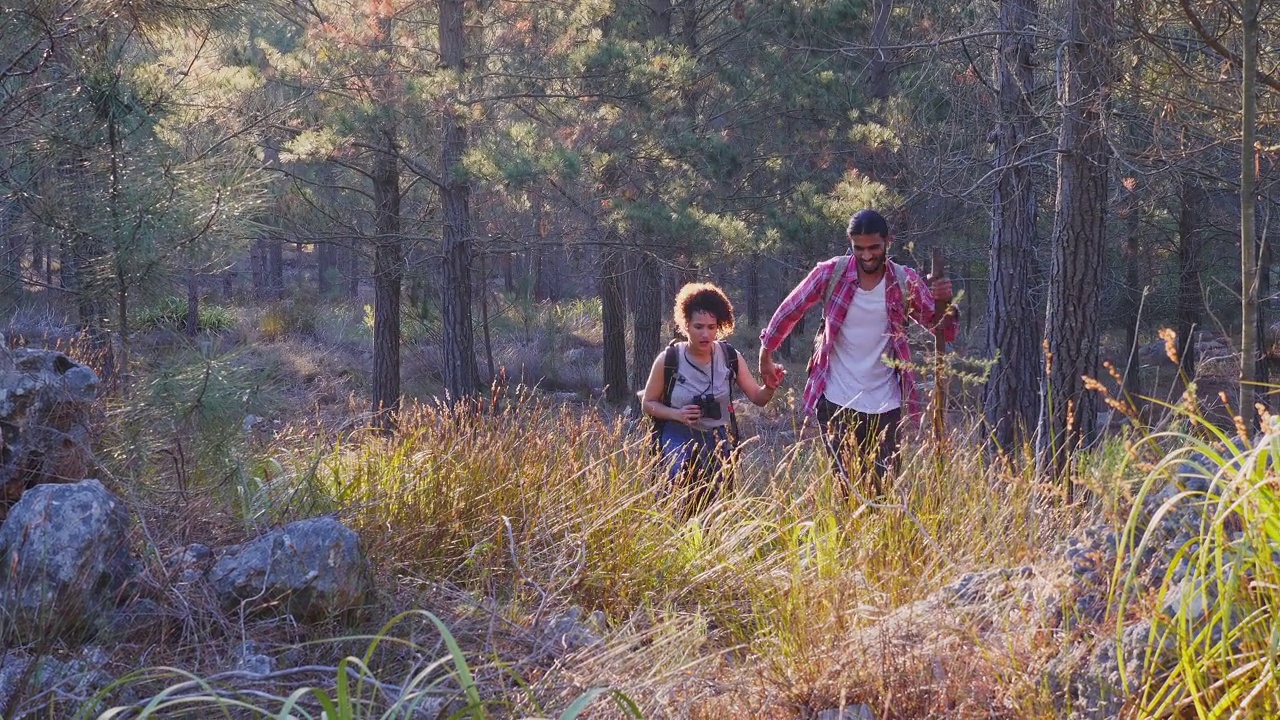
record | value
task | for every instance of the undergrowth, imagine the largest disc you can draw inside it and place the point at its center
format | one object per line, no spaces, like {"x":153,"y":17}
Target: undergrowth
{"x":523,"y":511}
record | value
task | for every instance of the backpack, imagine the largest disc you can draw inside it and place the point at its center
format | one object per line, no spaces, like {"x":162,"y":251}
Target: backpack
{"x":842,"y":265}
{"x":670,"y":363}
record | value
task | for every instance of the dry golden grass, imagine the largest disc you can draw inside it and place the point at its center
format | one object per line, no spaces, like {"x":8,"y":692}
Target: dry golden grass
{"x":776,"y":602}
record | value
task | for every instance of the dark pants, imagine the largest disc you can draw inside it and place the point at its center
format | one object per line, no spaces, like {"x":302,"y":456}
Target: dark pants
{"x":697,"y":463}
{"x":862,"y":445}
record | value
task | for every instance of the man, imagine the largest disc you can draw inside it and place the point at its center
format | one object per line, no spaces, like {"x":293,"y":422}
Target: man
{"x":860,"y":376}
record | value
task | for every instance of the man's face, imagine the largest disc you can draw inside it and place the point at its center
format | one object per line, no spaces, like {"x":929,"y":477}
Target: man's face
{"x":870,"y":251}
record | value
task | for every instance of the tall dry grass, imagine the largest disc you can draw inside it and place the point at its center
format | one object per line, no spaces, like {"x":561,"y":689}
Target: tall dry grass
{"x":537,"y":507}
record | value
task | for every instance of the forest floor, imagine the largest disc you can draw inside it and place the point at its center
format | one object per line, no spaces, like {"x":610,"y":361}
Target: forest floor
{"x":535,"y":535}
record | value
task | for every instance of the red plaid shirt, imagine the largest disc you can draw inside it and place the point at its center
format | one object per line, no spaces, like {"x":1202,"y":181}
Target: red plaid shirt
{"x":810,"y":292}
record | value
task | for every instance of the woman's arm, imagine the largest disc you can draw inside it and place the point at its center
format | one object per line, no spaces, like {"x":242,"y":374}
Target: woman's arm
{"x":652,"y":403}
{"x":755,"y":392}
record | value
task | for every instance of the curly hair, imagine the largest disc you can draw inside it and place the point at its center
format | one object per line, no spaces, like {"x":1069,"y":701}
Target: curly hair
{"x":703,"y":297}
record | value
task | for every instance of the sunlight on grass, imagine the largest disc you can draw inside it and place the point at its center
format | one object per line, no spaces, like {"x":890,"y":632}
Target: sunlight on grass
{"x":541,"y":506}
{"x":1215,"y":640}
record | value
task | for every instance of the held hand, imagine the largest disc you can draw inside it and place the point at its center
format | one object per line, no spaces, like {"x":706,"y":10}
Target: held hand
{"x":771,"y":373}
{"x":774,"y":379}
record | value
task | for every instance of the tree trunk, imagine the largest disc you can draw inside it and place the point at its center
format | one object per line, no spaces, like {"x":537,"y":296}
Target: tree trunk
{"x":878,"y":71}
{"x":484,"y":315}
{"x":38,"y":254}
{"x":1190,"y":240}
{"x":275,"y":266}
{"x":13,"y":242}
{"x":388,"y":249}
{"x":388,"y":271}
{"x":193,"y":302}
{"x":659,"y":18}
{"x":1248,"y":226}
{"x":351,"y":254}
{"x":1072,"y":329}
{"x":613,"y":320}
{"x":1263,"y":371}
{"x":258,"y":266}
{"x":1132,"y":293}
{"x":460,"y":373}
{"x":646,"y":328}
{"x":326,"y":263}
{"x":753,"y":291}
{"x":1011,"y":396}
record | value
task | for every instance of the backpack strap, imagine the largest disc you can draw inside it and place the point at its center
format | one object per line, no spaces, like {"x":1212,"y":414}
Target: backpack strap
{"x":730,"y":360}
{"x":670,"y":363}
{"x":842,"y":265}
{"x":904,"y":284}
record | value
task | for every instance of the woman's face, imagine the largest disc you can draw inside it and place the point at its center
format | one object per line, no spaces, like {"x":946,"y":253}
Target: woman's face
{"x":703,"y":328}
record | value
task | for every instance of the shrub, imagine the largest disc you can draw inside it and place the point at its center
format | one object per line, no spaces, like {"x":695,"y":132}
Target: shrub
{"x":171,"y":313}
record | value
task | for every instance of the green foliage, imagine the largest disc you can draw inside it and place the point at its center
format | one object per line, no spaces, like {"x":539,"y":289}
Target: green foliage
{"x":290,"y":318}
{"x":186,"y":421}
{"x":1212,"y":647}
{"x":171,"y":313}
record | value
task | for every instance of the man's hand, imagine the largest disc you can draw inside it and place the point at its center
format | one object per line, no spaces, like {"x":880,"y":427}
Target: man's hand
{"x":771,"y":373}
{"x":941,"y":290}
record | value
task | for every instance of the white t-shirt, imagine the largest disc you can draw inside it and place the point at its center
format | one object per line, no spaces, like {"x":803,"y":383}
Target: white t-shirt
{"x":859,"y":379}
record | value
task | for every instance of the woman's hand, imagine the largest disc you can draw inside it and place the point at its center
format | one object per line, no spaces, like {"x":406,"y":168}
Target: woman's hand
{"x":689,"y":414}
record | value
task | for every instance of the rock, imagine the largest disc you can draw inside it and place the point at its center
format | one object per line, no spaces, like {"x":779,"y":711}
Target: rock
{"x":1086,"y":681}
{"x":1190,"y":597}
{"x":251,"y":659}
{"x":569,"y":631}
{"x":47,"y":409}
{"x":851,"y":712}
{"x":190,"y":563}
{"x":310,"y":569}
{"x":64,"y":559}
{"x":140,"y":616}
{"x":33,"y":679}
{"x":1154,"y":353}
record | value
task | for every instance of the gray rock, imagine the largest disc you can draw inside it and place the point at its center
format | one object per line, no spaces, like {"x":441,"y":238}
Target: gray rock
{"x":190,"y":563}
{"x":140,"y":616}
{"x":851,"y":712}
{"x":38,"y":680}
{"x":47,"y":408}
{"x":250,"y":658}
{"x":310,"y":569}
{"x":570,"y":631}
{"x":64,"y":559}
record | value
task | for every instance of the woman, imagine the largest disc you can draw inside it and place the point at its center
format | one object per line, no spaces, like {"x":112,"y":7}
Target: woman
{"x":693,"y":408}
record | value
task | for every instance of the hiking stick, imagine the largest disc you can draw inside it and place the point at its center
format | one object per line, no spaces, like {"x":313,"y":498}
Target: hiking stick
{"x":939,"y":347}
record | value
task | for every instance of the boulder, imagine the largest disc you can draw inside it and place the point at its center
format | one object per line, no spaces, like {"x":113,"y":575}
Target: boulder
{"x":48,"y":686}
{"x":64,"y":559}
{"x":850,"y":712}
{"x":310,"y":569}
{"x":47,"y":408}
